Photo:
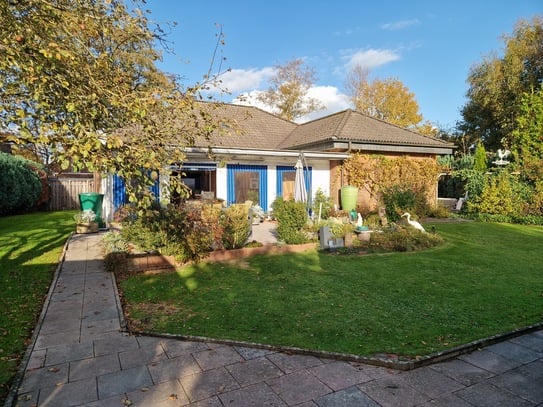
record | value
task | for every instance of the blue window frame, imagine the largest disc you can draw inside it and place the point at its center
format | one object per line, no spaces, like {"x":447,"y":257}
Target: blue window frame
{"x":247,"y":182}
{"x":281,"y":170}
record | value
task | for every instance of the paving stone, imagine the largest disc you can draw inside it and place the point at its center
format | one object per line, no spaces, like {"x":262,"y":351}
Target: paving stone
{"x":58,"y":338}
{"x":392,"y":390}
{"x":164,"y":394}
{"x":533,"y":341}
{"x":490,"y":361}
{"x":463,"y":372}
{"x":43,"y":377}
{"x":526,"y":382}
{"x":176,"y":348}
{"x":114,"y":344}
{"x":253,"y":371}
{"x":69,"y":394}
{"x":37,"y":359}
{"x":142,"y":356}
{"x":73,"y":265}
{"x":253,"y":353}
{"x":485,"y":394}
{"x":213,"y":358}
{"x":118,"y":400}
{"x":431,"y":382}
{"x":210,"y":402}
{"x":514,"y":351}
{"x":92,"y":367}
{"x":259,"y":394}
{"x":168,"y":369}
{"x":298,"y":387}
{"x":93,"y":329}
{"x":124,"y":381}
{"x":351,"y":397}
{"x":67,"y":353}
{"x":58,"y":322}
{"x":375,"y":372}
{"x":292,"y":363}
{"x":339,"y":375}
{"x":28,"y":399}
{"x":210,"y":383}
{"x":450,"y":400}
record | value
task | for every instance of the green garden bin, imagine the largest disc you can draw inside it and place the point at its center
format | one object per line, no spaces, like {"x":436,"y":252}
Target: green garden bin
{"x":349,"y":197}
{"x":93,"y":200}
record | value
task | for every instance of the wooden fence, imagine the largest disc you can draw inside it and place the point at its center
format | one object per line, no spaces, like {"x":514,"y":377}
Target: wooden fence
{"x":65,"y":192}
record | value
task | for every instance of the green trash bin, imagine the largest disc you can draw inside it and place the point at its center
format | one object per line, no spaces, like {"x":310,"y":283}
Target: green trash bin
{"x":93,"y":200}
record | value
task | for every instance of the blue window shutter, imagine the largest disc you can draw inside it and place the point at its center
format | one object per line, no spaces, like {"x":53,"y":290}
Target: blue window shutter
{"x":230,"y":185}
{"x":119,"y":192}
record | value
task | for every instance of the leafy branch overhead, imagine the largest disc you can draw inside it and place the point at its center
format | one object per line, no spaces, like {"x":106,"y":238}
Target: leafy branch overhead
{"x":80,"y":78}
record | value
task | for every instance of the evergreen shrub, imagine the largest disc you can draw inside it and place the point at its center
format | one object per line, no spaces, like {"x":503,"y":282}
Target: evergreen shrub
{"x":20,"y":185}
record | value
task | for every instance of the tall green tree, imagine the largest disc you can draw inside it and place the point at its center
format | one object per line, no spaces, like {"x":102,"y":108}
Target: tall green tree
{"x":480,"y":161}
{"x":388,"y":99}
{"x":288,"y":90}
{"x":497,"y":83}
{"x":527,"y":143}
{"x":80,"y":78}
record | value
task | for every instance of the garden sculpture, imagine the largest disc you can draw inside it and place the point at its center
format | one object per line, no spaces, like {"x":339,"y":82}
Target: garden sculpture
{"x":413,"y":223}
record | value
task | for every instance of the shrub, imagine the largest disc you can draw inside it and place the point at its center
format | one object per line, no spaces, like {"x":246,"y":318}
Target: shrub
{"x":20,"y":185}
{"x":403,"y":240}
{"x":188,"y":233}
{"x":291,"y":217}
{"x":236,"y":226}
{"x":398,"y":200}
{"x":501,"y":195}
{"x":322,"y":204}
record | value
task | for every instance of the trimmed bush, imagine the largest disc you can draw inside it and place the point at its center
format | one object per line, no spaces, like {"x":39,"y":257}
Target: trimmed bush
{"x":236,"y":226}
{"x":20,"y":185}
{"x":292,"y":218}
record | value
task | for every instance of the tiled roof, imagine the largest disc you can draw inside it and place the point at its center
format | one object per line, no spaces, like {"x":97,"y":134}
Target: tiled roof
{"x":248,"y":127}
{"x":263,"y":130}
{"x":353,"y":126}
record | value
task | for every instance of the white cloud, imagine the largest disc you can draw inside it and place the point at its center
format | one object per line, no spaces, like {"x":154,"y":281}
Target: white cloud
{"x":242,"y":80}
{"x":370,"y":58}
{"x":329,"y":96}
{"x":251,"y":99}
{"x":400,"y":25}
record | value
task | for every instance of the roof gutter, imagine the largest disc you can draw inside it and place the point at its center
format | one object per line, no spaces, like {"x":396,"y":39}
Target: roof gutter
{"x":266,"y":153}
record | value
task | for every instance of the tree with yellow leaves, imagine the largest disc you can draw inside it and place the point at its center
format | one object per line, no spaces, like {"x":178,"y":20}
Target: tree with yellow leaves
{"x":388,"y":100}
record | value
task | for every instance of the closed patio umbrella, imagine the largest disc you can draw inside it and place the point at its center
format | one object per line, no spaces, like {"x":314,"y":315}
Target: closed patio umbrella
{"x":300,"y":193}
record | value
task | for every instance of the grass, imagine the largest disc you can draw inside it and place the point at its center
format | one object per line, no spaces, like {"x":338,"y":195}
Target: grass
{"x":484,"y":280}
{"x":30,"y":246}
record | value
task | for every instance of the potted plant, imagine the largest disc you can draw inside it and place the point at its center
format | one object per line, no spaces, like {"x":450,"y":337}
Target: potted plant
{"x":85,"y":222}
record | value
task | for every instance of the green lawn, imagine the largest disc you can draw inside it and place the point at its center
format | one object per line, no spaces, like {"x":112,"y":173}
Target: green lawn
{"x":486,"y":279}
{"x":30,"y":246}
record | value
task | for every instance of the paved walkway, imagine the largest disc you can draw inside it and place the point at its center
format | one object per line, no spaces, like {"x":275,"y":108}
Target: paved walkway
{"x":80,"y":358}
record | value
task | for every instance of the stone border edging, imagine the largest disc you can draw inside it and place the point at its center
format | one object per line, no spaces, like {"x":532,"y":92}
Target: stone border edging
{"x":393,"y":363}
{"x":13,"y":390}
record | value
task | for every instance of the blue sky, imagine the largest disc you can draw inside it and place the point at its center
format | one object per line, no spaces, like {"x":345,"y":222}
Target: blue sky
{"x":429,"y":45}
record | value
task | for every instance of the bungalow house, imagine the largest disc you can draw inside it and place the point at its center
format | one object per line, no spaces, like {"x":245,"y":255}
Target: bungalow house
{"x":257,"y":163}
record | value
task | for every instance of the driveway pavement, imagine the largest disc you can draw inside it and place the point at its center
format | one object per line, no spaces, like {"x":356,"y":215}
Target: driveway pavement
{"x":80,"y":357}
